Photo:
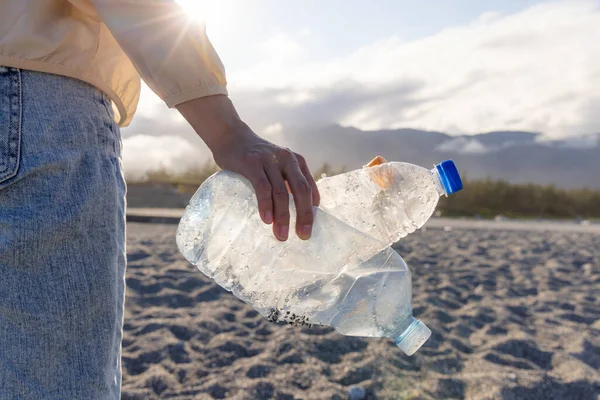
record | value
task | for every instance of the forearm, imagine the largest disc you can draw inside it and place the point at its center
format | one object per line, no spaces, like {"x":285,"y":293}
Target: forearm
{"x":214,"y":119}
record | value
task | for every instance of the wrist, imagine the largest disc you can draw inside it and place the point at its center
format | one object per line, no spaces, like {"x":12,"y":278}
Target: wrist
{"x":226,"y":134}
{"x":214,"y":119}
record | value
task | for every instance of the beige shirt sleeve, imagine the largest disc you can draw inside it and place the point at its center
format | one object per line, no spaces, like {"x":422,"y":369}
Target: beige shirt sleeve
{"x":171,"y":52}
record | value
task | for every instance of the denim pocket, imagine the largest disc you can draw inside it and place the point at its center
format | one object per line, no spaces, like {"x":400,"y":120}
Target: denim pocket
{"x":10,"y":122}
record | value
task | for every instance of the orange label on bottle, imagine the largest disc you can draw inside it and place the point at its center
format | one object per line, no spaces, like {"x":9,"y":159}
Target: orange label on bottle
{"x":381,"y":176}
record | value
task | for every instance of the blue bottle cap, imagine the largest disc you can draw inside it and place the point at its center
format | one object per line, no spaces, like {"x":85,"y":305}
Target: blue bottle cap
{"x":449,"y":176}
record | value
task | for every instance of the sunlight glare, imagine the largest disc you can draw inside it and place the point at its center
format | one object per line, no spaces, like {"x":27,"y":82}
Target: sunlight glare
{"x":216,"y":14}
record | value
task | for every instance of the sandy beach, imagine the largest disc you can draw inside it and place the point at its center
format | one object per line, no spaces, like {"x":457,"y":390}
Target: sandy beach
{"x":515,"y":314}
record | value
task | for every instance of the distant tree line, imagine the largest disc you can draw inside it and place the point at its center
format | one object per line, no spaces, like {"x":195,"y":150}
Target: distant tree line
{"x":489,"y":198}
{"x":486,"y":198}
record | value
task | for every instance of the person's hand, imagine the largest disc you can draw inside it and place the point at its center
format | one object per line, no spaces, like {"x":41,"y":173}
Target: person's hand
{"x":268,"y":167}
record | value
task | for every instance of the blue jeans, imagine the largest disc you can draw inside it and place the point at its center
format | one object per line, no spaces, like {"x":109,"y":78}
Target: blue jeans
{"x":62,"y":239}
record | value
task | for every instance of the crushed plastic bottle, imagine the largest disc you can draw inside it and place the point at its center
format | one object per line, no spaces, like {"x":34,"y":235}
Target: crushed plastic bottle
{"x":388,"y":201}
{"x":342,"y":277}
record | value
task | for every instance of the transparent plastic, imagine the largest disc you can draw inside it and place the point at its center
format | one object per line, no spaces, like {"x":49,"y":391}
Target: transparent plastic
{"x":387,"y":201}
{"x":342,"y":277}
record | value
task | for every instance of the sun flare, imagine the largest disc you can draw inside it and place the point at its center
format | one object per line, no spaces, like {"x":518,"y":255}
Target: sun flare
{"x":216,"y":14}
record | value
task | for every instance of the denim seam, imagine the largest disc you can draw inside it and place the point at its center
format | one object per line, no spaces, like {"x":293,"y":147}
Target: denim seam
{"x":59,"y":69}
{"x":14,"y":125}
{"x":108,"y":107}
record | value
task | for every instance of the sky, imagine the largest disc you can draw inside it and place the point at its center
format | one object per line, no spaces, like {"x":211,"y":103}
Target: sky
{"x":456,"y":66}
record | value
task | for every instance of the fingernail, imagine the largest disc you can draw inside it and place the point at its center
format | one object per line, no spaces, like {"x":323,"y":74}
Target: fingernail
{"x":283,"y":232}
{"x":269,"y":217}
{"x":306,"y":231}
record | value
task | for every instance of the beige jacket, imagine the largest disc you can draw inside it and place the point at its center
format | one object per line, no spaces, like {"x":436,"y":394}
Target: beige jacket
{"x":110,"y":44}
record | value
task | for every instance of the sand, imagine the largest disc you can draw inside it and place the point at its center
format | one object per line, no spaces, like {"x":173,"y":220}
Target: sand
{"x":515,"y":315}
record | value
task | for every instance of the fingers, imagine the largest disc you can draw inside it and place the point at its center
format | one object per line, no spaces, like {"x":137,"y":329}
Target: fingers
{"x":302,"y":193}
{"x":316,"y":197}
{"x":273,"y":178}
{"x":280,"y":200}
{"x":262,"y":187}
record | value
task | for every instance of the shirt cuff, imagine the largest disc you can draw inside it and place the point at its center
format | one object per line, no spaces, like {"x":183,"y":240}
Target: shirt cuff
{"x":194,"y":93}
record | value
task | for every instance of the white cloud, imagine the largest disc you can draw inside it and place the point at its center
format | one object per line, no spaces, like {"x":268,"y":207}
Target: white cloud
{"x":574,"y":142}
{"x":273,"y":131}
{"x":536,"y":70}
{"x":280,"y":48}
{"x":143,"y":154}
{"x":463,"y":145}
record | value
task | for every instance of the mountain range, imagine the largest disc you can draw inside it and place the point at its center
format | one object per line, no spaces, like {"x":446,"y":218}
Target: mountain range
{"x":518,"y":157}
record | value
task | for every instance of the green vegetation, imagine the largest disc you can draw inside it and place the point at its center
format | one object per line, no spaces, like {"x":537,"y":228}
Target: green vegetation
{"x":486,"y":198}
{"x":187,"y":182}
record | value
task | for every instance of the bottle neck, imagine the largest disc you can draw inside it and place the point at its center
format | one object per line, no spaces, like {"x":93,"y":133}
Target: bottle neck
{"x":413,"y":337}
{"x":439,"y":187}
